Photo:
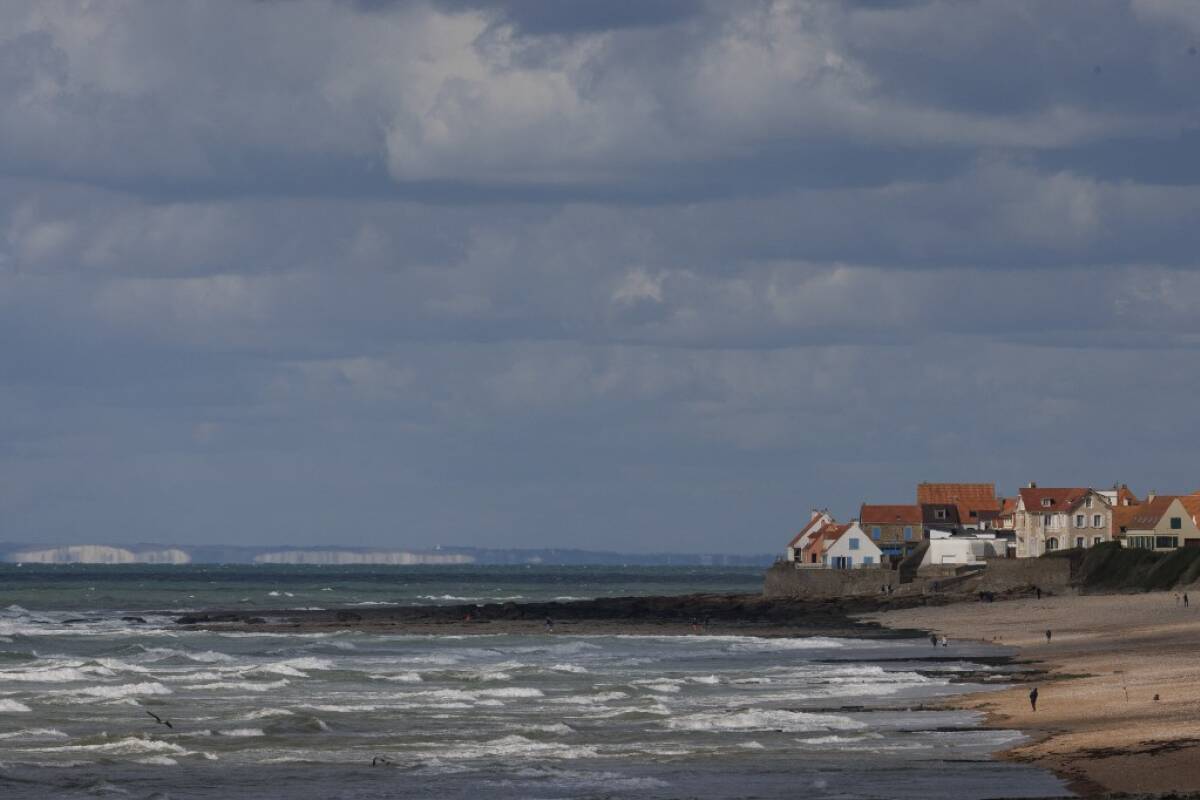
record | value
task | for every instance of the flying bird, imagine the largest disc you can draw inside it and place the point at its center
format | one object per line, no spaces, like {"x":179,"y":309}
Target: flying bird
{"x":160,"y":720}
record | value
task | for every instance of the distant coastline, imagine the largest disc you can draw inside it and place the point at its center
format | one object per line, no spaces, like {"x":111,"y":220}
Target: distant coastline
{"x":148,"y":553}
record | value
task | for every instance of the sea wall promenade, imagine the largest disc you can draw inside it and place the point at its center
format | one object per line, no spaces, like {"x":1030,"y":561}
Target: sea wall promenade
{"x":996,"y":576}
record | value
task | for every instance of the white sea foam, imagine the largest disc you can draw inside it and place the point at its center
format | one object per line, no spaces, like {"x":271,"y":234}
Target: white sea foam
{"x":572,"y":668}
{"x":244,"y":686}
{"x":158,"y":761}
{"x":708,"y":680}
{"x":267,"y":713}
{"x":56,"y":674}
{"x":13,"y":707}
{"x":204,"y":657}
{"x":510,"y":691}
{"x":242,"y":733}
{"x":559,"y":728}
{"x":118,"y":691}
{"x":753,"y":719}
{"x":130,"y":745}
{"x":402,"y":677}
{"x":590,"y":699}
{"x":35,"y":733}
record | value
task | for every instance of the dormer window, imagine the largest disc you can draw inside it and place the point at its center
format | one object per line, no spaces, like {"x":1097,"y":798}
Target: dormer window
{"x":1046,"y":501}
{"x":1087,"y":502}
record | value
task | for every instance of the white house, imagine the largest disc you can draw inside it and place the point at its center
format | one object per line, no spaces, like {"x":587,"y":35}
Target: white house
{"x":849,"y":547}
{"x":819,"y":519}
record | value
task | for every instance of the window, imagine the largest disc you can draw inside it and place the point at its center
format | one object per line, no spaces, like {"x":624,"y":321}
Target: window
{"x":1176,"y":523}
{"x":908,"y":534}
{"x":1161,"y":542}
{"x":1052,"y":543}
{"x":1079,"y":521}
{"x":1046,"y":520}
{"x":868,"y":561}
{"x":1046,"y":501}
{"x":1087,"y":501}
{"x":1079,"y":541}
{"x":939,"y":513}
{"x":875,"y":533}
{"x":853,"y":542}
{"x":1095,"y":541}
{"x":1097,"y":520}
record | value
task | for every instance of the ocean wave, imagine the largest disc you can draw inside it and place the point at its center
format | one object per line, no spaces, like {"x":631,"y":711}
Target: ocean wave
{"x":157,"y":761}
{"x":35,"y":733}
{"x":752,"y":719}
{"x":400,"y":677}
{"x":61,"y":674}
{"x":571,"y":668}
{"x":241,"y":733}
{"x":118,"y":691}
{"x":510,"y":692}
{"x":245,"y":686}
{"x":267,"y":713}
{"x":13,"y":707}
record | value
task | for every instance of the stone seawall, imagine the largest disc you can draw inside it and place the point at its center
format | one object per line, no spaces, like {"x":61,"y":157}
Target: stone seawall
{"x":784,"y":580}
{"x":1001,"y":575}
{"x":1007,"y":574}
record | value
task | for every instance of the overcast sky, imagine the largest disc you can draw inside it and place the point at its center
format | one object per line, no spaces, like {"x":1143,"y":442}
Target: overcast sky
{"x":632,"y":275}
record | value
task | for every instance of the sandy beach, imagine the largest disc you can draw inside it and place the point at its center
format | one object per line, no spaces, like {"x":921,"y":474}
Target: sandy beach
{"x":1098,"y":722}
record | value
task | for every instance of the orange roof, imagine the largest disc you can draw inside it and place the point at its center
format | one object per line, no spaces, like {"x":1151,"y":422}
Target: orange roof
{"x":889,"y":515}
{"x":829,"y":533}
{"x":812,"y":523}
{"x":1142,"y":517}
{"x":1009,"y":506}
{"x":1126,"y":497}
{"x":968,"y":497}
{"x":1060,"y":499}
{"x":1192,"y":503}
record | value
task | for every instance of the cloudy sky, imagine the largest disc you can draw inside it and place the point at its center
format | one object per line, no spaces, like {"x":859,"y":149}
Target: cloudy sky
{"x":633,"y":274}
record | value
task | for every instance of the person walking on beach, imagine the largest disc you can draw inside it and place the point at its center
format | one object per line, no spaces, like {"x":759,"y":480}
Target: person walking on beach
{"x":933,"y":639}
{"x":549,"y":625}
{"x":1048,"y":635}
{"x":1033,"y":698}
{"x":1185,"y":600}
{"x":1038,"y":589}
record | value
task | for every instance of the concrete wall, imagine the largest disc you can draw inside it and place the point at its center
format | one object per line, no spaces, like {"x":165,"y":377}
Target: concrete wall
{"x":1048,"y":574}
{"x":1001,"y":575}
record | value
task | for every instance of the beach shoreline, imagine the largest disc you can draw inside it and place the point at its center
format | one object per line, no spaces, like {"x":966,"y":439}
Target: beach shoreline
{"x":1118,"y":678}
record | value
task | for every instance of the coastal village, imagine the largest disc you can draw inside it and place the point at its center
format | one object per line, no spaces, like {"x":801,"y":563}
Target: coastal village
{"x":969,"y":524}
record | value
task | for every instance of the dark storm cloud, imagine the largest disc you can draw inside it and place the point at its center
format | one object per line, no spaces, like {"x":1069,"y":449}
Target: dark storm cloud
{"x":653,"y":275}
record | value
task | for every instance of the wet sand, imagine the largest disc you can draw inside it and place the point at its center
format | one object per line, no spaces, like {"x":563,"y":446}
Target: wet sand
{"x":1097,"y":723}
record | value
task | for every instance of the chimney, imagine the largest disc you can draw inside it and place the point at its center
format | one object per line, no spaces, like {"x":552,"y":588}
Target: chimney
{"x":1150,"y":495}
{"x":1031,"y":485}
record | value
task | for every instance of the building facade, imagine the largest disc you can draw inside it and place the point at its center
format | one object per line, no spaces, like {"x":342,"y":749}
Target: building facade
{"x":1048,"y":519}
{"x":1160,"y":523}
{"x":897,"y":530}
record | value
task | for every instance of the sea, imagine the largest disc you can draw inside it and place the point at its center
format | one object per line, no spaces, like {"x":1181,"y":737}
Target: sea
{"x":92,"y":668}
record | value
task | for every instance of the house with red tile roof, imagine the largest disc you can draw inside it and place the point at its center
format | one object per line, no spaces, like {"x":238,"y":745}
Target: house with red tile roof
{"x":1058,"y":518}
{"x":835,"y":546}
{"x":796,"y":546}
{"x":1163,"y":522}
{"x":976,"y":503}
{"x":897,"y":530}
